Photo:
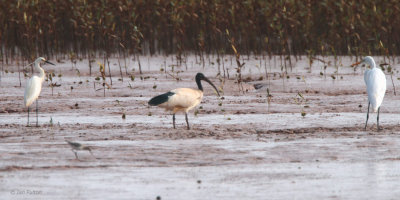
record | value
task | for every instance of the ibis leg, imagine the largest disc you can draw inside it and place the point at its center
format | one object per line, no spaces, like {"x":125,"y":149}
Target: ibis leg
{"x":28,"y":117}
{"x":365,"y":128}
{"x":187,"y":121}
{"x":37,"y":123}
{"x":377,"y":119}
{"x":173,"y":119}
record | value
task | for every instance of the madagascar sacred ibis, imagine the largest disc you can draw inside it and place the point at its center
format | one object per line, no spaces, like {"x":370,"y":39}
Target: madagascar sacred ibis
{"x":182,"y":99}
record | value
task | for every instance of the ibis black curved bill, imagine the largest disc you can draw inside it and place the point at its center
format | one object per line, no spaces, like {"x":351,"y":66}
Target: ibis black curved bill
{"x":209,"y":82}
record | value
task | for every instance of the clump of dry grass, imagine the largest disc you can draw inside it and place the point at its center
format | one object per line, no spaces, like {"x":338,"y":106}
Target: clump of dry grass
{"x":289,"y":28}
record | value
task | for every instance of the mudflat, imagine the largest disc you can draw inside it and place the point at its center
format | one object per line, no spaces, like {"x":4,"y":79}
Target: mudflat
{"x":297,"y":133}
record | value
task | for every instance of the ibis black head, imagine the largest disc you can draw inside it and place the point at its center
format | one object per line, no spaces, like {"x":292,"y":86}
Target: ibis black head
{"x":199,"y":77}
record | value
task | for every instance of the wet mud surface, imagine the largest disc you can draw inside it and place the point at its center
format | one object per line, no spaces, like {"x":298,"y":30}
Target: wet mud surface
{"x":242,"y":146}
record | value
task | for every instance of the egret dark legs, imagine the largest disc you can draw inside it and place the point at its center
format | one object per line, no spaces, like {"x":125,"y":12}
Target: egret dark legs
{"x":37,"y":123}
{"x":173,"y":119}
{"x":28,"y":117}
{"x":365,"y":128}
{"x":187,"y":121}
{"x":37,"y":118}
{"x":377,"y":119}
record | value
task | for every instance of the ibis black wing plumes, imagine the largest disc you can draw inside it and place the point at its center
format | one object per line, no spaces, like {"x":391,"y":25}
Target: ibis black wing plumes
{"x":160,"y":99}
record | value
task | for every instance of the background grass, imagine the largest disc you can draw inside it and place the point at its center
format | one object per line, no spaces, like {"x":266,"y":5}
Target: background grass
{"x":292,"y":27}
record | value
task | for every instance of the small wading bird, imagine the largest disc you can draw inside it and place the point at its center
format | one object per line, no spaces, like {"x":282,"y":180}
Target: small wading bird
{"x":376,"y":86}
{"x":78,"y":147}
{"x":34,"y":86}
{"x":182,"y":99}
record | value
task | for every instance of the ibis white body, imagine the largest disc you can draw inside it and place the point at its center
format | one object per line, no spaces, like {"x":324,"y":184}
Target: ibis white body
{"x":182,"y":99}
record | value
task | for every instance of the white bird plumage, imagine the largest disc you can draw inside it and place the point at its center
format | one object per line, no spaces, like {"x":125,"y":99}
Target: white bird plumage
{"x":182,"y":99}
{"x":376,"y":86}
{"x":34,"y":86}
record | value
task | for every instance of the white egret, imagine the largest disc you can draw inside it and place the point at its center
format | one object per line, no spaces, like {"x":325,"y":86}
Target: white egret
{"x":182,"y":99}
{"x":376,"y":86}
{"x":34,"y":86}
